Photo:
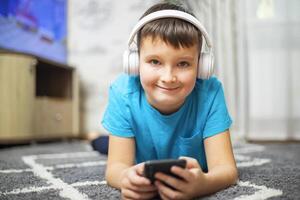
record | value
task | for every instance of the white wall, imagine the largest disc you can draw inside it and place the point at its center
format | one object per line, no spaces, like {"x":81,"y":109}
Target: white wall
{"x":97,"y":36}
{"x":257,"y":56}
{"x":219,"y":19}
{"x":273,"y":42}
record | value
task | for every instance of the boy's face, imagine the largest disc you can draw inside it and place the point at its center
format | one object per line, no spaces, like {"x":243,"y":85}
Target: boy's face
{"x":168,"y":75}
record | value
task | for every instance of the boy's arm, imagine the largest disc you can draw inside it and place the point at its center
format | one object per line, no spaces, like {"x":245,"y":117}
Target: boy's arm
{"x":121,"y":155}
{"x":222,"y":170}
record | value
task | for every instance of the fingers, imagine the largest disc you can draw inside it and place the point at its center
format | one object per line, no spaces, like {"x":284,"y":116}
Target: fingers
{"x":190,"y":162}
{"x":172,"y":181}
{"x":140,"y":168}
{"x":134,"y":181}
{"x":131,"y":191}
{"x":163,"y":197}
{"x":127,"y":183}
{"x":185,"y":174}
{"x":136,"y":178}
{"x":131,"y":194}
{"x":166,"y":192}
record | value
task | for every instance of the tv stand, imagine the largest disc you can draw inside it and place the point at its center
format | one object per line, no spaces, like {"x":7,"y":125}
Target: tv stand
{"x":39,"y":99}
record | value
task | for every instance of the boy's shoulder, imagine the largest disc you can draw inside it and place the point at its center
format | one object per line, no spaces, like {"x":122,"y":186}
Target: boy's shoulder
{"x":125,"y":84}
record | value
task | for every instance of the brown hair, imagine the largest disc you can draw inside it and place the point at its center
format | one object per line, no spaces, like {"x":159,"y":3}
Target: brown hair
{"x":176,"y":32}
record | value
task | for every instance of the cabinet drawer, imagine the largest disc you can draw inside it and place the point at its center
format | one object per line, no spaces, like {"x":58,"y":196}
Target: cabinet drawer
{"x":53,"y":117}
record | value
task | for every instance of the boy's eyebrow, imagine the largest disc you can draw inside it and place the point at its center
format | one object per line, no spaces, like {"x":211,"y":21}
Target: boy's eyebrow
{"x":189,"y":57}
{"x":151,"y":56}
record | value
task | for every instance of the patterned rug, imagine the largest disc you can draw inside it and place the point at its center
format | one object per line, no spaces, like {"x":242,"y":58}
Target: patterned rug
{"x":71,"y":170}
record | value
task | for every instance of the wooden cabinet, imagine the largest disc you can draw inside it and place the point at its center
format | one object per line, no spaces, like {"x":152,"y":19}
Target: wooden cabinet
{"x":17,"y":93}
{"x":38,"y":99}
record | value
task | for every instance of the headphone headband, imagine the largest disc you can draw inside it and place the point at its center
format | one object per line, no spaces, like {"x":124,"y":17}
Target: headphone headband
{"x":170,"y":14}
{"x":131,"y":55}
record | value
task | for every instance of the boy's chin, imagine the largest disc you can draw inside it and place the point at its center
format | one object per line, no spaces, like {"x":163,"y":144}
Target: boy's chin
{"x":168,"y":104}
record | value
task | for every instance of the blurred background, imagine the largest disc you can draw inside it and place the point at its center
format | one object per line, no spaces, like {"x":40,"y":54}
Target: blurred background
{"x":58,"y":58}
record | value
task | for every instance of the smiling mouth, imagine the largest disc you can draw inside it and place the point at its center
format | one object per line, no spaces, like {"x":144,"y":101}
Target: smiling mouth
{"x":167,"y":88}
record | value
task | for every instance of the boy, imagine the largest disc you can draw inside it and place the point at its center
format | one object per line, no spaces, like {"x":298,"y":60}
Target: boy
{"x":167,"y":112}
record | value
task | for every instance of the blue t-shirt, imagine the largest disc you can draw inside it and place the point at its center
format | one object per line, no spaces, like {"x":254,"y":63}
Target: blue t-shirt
{"x":157,"y":136}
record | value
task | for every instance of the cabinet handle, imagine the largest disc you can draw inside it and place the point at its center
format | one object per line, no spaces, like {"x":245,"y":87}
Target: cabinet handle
{"x":58,"y":117}
{"x":32,"y":66}
{"x":33,"y":62}
{"x":31,"y":70}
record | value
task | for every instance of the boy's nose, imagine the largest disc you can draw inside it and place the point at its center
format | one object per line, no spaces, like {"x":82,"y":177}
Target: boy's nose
{"x":168,"y":76}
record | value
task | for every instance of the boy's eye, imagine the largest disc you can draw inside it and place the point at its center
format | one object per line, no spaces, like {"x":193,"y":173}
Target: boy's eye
{"x":183,"y":64}
{"x":154,"y":62}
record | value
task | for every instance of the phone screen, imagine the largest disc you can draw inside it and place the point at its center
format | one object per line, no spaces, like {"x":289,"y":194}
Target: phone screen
{"x":164,"y":166}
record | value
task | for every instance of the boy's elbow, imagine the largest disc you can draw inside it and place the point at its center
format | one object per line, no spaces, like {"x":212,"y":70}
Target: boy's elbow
{"x":113,"y":176}
{"x":234,"y":176}
{"x":108,"y":177}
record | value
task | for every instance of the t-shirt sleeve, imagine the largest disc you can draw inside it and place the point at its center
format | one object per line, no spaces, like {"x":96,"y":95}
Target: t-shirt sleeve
{"x":116,"y":119}
{"x":218,"y":119}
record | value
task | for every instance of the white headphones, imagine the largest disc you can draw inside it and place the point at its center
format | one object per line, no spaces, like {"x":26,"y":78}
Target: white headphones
{"x":131,"y":56}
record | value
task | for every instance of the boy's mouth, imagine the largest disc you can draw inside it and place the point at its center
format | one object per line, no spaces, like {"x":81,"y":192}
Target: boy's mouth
{"x":167,"y":88}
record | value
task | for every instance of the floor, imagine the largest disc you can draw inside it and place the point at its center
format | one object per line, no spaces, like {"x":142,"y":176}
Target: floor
{"x":71,"y":170}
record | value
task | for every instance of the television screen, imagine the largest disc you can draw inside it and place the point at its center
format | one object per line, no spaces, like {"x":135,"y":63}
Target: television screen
{"x":35,"y":27}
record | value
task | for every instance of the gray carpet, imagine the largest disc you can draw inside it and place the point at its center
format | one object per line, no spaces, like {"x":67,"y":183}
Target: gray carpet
{"x":71,"y":170}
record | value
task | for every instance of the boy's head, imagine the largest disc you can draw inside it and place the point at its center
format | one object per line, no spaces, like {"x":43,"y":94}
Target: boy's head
{"x":173,"y":31}
{"x":169,"y":50}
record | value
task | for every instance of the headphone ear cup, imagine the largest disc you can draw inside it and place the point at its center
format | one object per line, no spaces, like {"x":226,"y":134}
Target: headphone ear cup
{"x":205,"y":66}
{"x":131,"y":62}
{"x":126,"y":62}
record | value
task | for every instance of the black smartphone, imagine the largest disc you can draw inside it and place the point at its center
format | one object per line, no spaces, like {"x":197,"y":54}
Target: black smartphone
{"x":164,"y":166}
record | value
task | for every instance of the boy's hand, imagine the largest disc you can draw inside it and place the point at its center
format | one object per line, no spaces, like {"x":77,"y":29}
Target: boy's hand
{"x":135,"y":186}
{"x":187,"y":188}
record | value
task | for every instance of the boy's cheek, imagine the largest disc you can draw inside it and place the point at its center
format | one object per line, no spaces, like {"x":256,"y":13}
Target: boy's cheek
{"x":145,"y":75}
